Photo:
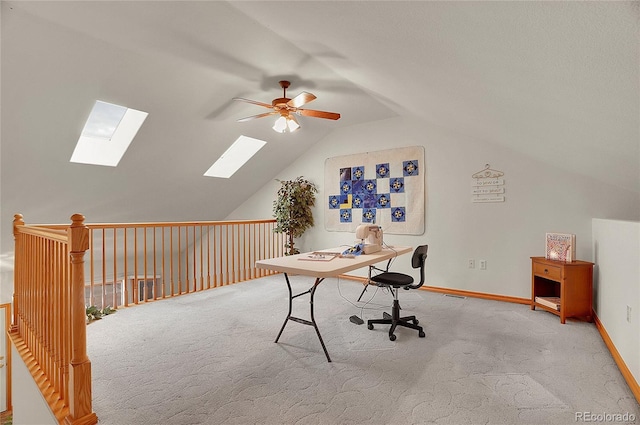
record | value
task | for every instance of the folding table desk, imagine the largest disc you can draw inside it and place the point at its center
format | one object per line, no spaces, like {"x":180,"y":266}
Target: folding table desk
{"x":302,"y":264}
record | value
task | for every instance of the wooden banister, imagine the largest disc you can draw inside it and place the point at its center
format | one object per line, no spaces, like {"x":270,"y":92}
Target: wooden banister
{"x":49,"y":322}
{"x":55,"y":280}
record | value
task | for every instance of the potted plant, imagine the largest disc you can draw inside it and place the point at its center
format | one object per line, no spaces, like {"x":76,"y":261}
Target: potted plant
{"x":292,"y":210}
{"x":94,"y":313}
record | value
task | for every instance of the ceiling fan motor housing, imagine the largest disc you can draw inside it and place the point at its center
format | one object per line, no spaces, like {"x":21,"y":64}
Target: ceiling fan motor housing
{"x":280,"y":102}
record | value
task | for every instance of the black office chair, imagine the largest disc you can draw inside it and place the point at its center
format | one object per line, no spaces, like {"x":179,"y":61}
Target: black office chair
{"x":395,"y":281}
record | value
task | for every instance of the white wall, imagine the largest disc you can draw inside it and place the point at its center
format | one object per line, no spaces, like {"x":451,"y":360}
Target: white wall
{"x":616,"y":247}
{"x":539,"y":199}
{"x":29,"y":407}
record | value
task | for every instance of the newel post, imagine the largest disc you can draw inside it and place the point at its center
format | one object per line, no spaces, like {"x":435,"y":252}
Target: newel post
{"x":80,"y":410}
{"x":18,"y":220}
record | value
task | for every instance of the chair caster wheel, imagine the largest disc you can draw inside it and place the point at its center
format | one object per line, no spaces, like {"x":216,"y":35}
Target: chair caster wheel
{"x":370,"y":326}
{"x":415,"y":322}
{"x":392,"y":337}
{"x":421,"y":334}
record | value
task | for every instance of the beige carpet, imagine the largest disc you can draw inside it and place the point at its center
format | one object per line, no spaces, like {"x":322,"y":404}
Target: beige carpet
{"x":209,"y":358}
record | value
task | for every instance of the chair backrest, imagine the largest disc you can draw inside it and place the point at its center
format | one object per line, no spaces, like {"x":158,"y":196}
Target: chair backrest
{"x":418,"y":260}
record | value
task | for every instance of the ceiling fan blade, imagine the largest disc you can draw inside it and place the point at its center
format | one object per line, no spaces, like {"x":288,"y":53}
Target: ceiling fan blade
{"x":253,"y":117}
{"x":318,"y":114}
{"x":255,"y":102}
{"x":301,"y":99}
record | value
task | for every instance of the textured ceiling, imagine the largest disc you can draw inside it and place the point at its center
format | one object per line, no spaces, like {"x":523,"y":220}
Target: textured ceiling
{"x":558,"y":81}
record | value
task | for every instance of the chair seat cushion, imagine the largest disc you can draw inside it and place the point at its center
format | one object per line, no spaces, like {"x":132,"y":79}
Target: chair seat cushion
{"x":397,"y":280}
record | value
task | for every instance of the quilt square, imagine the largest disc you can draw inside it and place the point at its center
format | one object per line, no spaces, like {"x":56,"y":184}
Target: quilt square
{"x":345,"y":215}
{"x":398,"y":214}
{"x":370,"y":186}
{"x":345,"y":187}
{"x":357,"y":173}
{"x":383,"y":200}
{"x":345,"y":174}
{"x":357,"y":187}
{"x":396,"y":185}
{"x":369,"y":200}
{"x":410,"y":168}
{"x":334,"y":202}
{"x":369,"y":215}
{"x":398,"y":199}
{"x":382,"y":170}
{"x":383,"y":185}
{"x":358,"y":201}
{"x":345,"y":201}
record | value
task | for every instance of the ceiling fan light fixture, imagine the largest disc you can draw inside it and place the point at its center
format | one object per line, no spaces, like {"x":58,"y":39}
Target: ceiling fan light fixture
{"x":280,"y":125}
{"x":292,"y":123}
{"x":284,"y":124}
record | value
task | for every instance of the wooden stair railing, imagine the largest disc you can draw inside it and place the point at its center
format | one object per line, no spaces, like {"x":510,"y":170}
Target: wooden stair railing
{"x":125,"y":264}
{"x":49,"y":323}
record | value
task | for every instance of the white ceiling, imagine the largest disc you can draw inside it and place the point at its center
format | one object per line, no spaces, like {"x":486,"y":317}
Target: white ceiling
{"x":558,"y":81}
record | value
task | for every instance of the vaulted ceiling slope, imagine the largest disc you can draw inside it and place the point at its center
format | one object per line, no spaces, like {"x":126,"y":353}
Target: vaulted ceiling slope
{"x":558,"y":81}
{"x":555,"y":80}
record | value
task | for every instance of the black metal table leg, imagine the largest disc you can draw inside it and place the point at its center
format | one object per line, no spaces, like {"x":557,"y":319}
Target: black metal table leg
{"x":366,"y":285}
{"x":290,"y":305}
{"x":313,"y":320}
{"x":312,"y":291}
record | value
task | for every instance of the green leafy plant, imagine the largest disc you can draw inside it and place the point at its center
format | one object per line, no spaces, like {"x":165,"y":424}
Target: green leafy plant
{"x":292,"y":210}
{"x":94,"y":313}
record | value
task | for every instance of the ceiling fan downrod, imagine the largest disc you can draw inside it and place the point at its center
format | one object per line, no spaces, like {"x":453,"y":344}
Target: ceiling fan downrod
{"x":284,"y":99}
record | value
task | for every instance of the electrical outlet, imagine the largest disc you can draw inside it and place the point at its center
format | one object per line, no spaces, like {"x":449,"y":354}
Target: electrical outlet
{"x":483,"y":264}
{"x":629,"y":313}
{"x":472,"y":264}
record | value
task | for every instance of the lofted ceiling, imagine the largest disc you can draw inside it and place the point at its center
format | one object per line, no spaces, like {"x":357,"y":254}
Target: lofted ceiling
{"x":558,"y":81}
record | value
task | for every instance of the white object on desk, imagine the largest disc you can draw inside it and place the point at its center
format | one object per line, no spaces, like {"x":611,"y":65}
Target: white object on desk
{"x":371,"y":237}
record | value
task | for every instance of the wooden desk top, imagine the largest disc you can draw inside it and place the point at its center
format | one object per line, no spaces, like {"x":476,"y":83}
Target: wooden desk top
{"x":293,"y":264}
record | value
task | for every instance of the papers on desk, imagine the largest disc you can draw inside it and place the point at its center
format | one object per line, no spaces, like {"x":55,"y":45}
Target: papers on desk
{"x":319,"y":256}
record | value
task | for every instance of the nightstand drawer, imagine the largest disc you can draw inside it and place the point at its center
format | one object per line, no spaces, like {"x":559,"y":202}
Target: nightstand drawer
{"x":547,"y":271}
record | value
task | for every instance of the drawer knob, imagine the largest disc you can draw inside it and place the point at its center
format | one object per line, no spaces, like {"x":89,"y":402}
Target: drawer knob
{"x":546,"y":270}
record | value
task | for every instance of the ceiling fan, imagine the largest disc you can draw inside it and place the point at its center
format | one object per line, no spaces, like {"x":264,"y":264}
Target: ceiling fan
{"x":287,"y":109}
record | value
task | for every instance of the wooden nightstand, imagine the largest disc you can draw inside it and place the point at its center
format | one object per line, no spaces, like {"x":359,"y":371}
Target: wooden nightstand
{"x":564,"y":289}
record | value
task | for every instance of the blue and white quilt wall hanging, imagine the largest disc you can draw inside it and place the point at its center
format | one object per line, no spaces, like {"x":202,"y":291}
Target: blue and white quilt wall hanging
{"x":383,"y":187}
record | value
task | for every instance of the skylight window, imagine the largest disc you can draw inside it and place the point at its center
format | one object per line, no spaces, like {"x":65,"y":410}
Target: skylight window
{"x":103,"y":120}
{"x":235,"y":157}
{"x":107,"y":134}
